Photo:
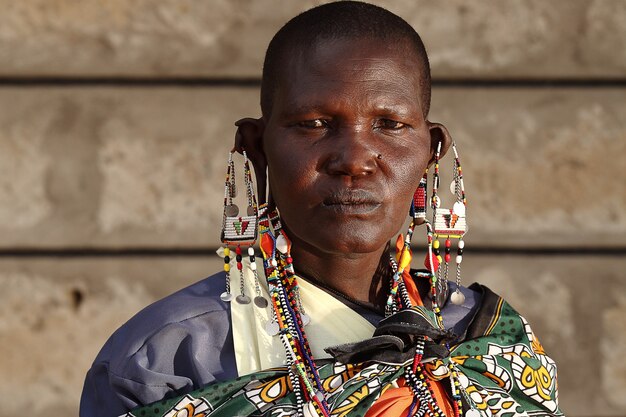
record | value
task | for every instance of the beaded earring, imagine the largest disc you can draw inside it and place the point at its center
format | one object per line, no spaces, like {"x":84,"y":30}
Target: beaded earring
{"x":439,"y":289}
{"x":418,"y":205}
{"x":398,"y":298}
{"x":448,"y":224}
{"x":240,"y":231}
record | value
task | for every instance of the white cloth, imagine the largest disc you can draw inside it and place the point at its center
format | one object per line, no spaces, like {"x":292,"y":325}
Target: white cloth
{"x":331,"y":324}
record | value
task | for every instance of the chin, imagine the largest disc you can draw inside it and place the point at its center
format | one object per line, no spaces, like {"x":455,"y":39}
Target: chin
{"x":348,"y":240}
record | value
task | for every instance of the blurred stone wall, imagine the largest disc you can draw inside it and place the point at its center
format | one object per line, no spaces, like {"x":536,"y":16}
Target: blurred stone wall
{"x":116,"y":117}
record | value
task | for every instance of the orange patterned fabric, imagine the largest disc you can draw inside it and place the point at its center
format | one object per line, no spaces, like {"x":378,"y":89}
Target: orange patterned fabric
{"x":395,"y":402}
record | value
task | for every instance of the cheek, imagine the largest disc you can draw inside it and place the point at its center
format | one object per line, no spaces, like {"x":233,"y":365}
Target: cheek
{"x":291,"y":176}
{"x":406,"y":173}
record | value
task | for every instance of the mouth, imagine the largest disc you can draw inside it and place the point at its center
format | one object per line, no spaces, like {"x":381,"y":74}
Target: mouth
{"x":349,"y":201}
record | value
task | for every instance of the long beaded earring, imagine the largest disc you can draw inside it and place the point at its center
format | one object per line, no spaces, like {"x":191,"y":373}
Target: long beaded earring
{"x":448,"y":224}
{"x":418,"y":211}
{"x":418,"y":205}
{"x":398,"y":298}
{"x":240,"y":231}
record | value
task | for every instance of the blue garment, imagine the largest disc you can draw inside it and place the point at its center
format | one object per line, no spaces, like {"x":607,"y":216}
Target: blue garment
{"x":184,"y":342}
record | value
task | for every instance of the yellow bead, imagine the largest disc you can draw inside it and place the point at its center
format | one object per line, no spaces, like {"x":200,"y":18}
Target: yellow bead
{"x":226,"y":251}
{"x":436,"y":244}
{"x":226,"y":267}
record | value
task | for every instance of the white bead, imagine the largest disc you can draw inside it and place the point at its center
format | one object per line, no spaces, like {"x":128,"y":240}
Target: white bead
{"x":459,"y":259}
{"x":459,"y":208}
{"x":281,"y":244}
{"x":461,"y":244}
{"x":253,"y":266}
{"x":250,"y":251}
{"x":273,"y":263}
{"x":220,"y":252}
{"x":473,"y":413}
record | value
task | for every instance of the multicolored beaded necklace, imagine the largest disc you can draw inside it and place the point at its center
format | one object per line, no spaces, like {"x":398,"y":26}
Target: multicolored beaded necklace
{"x":289,"y":321}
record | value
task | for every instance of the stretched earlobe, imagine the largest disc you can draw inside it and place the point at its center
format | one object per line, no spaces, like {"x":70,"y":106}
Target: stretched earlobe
{"x":249,"y":136}
{"x":438,"y":133}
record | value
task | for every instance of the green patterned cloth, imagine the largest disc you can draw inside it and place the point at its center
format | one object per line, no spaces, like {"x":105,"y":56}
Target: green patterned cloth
{"x":502,"y":368}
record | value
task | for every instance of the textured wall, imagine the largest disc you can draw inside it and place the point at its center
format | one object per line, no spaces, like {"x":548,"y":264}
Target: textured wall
{"x":115,"y":119}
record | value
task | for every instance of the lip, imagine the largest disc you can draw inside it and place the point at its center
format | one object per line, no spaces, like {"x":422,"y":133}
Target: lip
{"x":351,"y":201}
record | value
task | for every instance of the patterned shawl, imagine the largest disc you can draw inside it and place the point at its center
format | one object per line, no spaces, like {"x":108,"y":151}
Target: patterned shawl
{"x":502,"y":369}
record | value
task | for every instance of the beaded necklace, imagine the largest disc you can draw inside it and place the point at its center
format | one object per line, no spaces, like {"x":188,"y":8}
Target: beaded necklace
{"x":289,"y":320}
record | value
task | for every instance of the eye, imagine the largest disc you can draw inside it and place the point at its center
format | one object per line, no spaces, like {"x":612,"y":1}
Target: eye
{"x":313,"y":124}
{"x":389,"y":124}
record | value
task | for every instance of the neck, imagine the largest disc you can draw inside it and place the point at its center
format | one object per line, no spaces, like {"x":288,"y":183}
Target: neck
{"x":361,"y":277}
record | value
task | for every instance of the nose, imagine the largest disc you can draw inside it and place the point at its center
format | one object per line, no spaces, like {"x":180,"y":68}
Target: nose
{"x":351,"y":155}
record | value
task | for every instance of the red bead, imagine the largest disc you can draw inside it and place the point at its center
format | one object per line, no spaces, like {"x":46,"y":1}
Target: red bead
{"x":289,"y":259}
{"x":448,"y":243}
{"x":238,"y":250}
{"x":447,"y":257}
{"x":239,"y":266}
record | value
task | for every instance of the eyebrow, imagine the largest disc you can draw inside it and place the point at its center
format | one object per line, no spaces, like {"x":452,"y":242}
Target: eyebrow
{"x":392,"y":109}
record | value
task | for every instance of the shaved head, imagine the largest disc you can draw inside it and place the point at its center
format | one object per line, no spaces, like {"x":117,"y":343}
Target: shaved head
{"x":340,"y":20}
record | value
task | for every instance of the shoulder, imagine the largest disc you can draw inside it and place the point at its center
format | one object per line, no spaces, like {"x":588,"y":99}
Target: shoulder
{"x":174,"y":344}
{"x":196,"y":303}
{"x":504,"y":342}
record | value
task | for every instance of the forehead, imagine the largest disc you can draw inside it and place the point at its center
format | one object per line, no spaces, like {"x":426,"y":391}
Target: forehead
{"x":388,"y":70}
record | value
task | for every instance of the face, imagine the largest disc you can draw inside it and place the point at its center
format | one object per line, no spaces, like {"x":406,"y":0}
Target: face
{"x":346,"y":144}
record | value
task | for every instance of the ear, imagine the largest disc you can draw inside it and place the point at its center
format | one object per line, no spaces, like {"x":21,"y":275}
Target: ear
{"x":249,"y":137}
{"x":438,"y":134}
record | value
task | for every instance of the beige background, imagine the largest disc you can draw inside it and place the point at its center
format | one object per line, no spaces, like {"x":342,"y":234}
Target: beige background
{"x":115,"y":119}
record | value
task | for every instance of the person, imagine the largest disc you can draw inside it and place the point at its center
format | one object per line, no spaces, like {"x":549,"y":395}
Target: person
{"x":350,"y":330}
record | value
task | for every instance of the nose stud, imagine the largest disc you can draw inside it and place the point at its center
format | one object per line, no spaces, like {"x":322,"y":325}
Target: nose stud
{"x":379,"y":156}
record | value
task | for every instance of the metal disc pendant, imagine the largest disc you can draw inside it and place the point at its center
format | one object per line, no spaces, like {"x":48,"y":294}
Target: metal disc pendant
{"x":260,"y":301}
{"x":231,"y":210}
{"x":271,"y":327}
{"x":473,"y":413}
{"x":306,"y":319}
{"x":457,"y":297}
{"x":250,"y":211}
{"x":309,"y":410}
{"x":453,"y":187}
{"x":226,"y":297}
{"x":243,"y":299}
